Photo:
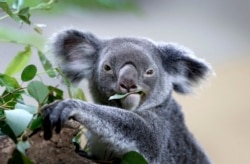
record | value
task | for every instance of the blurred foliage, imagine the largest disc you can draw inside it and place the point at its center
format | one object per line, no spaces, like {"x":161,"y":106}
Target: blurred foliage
{"x":61,"y":5}
{"x":20,"y":11}
{"x":126,"y":5}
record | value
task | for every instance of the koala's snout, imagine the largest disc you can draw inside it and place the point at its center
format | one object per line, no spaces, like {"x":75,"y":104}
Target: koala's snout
{"x":128,"y":79}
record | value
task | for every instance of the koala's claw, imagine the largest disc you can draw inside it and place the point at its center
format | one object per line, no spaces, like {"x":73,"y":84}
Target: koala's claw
{"x":47,"y":127}
{"x":52,"y":118}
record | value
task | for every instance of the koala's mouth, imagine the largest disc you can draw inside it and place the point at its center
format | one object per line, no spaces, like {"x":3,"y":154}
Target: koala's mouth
{"x":130,"y":100}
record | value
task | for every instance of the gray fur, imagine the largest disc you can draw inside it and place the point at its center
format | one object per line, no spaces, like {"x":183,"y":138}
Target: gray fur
{"x":151,"y":123}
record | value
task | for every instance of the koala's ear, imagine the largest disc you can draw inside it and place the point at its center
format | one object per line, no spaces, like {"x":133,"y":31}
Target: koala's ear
{"x":75,"y":53}
{"x":185,"y":69}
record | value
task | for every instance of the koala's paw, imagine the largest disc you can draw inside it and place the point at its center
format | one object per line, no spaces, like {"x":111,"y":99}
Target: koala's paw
{"x":55,"y":115}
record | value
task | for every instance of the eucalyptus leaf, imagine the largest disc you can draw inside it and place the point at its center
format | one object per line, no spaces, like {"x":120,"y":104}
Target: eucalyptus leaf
{"x":58,"y":93}
{"x":5,"y":7}
{"x":121,"y":96}
{"x":22,"y":146}
{"x":78,"y":94}
{"x":19,"y":61}
{"x":29,"y":73}
{"x":5,"y":128}
{"x":133,"y":157}
{"x":30,"y":3}
{"x":65,"y":79}
{"x":18,"y":157}
{"x":2,"y":116}
{"x":18,"y":120}
{"x":36,"y":122}
{"x":9,"y":82}
{"x":77,"y":139}
{"x":44,"y":5}
{"x":10,"y":98}
{"x":29,"y":108}
{"x":46,"y":65}
{"x":55,"y":94}
{"x":24,"y":15}
{"x":38,"y":91}
{"x":10,"y":34}
{"x":17,"y":4}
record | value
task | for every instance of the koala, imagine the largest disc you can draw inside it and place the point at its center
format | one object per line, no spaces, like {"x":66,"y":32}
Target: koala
{"x":148,"y":120}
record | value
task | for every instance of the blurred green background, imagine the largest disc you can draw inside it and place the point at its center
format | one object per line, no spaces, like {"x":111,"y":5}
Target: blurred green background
{"x":217,"y":31}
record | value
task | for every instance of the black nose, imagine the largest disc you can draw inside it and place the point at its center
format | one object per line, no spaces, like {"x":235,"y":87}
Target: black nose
{"x":128,"y":86}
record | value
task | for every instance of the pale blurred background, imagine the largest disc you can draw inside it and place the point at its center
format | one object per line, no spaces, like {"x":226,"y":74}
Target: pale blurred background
{"x":218,"y":31}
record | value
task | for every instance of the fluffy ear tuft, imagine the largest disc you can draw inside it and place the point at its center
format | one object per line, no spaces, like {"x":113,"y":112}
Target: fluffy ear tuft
{"x":185,"y":69}
{"x":75,"y":53}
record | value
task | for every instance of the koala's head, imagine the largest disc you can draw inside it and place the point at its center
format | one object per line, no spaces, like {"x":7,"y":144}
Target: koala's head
{"x":127,"y":65}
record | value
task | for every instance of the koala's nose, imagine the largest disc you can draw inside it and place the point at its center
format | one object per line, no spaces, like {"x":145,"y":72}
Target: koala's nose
{"x":127,"y":79}
{"x":128,"y":87}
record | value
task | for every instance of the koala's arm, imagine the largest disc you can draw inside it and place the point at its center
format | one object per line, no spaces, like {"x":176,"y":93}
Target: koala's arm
{"x":125,"y":130}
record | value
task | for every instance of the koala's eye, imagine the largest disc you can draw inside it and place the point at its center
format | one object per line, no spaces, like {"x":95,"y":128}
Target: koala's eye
{"x":107,"y":67}
{"x":149,"y":72}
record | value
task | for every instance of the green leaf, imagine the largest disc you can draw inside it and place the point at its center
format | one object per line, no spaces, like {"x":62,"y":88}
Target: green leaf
{"x":78,"y":142}
{"x":19,"y":62}
{"x":25,"y":3}
{"x":55,"y":94}
{"x":2,"y":116}
{"x":29,"y":108}
{"x":17,"y":4}
{"x":77,"y":139}
{"x":9,"y":34}
{"x":22,"y":146}
{"x":24,"y":15}
{"x":9,"y":99}
{"x":65,"y":79}
{"x":5,"y":128}
{"x":47,"y":65}
{"x":12,"y":92}
{"x":5,"y":7}
{"x":38,"y":91}
{"x":78,"y":93}
{"x":36,"y":123}
{"x":118,"y":96}
{"x":18,"y":120}
{"x":45,"y":5}
{"x":121,"y":96}
{"x":133,"y":157}
{"x":18,"y":157}
{"x":9,"y":82}
{"x":29,"y":73}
